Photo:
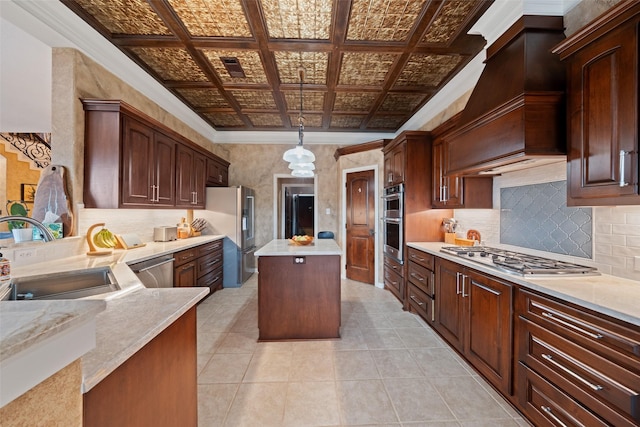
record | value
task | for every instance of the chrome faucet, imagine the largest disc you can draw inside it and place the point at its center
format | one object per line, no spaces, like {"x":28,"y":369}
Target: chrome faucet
{"x":46,"y":233}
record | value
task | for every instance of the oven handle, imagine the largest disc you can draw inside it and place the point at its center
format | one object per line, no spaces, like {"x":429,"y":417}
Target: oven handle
{"x":394,"y":196}
{"x":393,"y":220}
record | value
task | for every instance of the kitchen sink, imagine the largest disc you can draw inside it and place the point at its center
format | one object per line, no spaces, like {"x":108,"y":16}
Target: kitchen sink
{"x":64,"y":285}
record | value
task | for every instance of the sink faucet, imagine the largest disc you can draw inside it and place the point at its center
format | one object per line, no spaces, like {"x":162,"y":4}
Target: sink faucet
{"x":46,"y":234}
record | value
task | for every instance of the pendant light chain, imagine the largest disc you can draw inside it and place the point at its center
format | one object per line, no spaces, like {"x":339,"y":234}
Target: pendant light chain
{"x":300,"y":159}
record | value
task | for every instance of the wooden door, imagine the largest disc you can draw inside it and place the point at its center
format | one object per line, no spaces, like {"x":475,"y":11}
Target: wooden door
{"x":488,"y":345}
{"x":361,"y":226}
{"x":449,"y":303}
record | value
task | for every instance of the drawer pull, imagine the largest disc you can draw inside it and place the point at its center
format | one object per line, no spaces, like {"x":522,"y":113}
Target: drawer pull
{"x":549,"y":412}
{"x":416,"y":300}
{"x":420,"y":278}
{"x":589,"y":384}
{"x":414,"y":256}
{"x":557,"y":319}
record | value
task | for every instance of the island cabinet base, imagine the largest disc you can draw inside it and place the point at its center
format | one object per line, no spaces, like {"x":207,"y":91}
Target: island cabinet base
{"x":157,"y":386}
{"x":298,"y":297}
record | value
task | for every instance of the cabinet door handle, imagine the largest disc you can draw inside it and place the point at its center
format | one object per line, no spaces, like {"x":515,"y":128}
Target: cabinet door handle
{"x":464,"y":279}
{"x":154,"y":192}
{"x":416,"y":300}
{"x":568,"y":371}
{"x":623,"y":154}
{"x":549,"y":412}
{"x":458,"y":274}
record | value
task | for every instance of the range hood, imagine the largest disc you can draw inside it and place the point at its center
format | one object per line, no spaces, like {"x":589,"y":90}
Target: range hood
{"x":516,"y":113}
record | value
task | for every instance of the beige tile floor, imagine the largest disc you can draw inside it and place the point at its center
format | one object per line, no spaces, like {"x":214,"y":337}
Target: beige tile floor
{"x":389,"y":369}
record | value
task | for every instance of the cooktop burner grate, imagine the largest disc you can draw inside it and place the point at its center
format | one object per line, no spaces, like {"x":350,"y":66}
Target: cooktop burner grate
{"x":518,"y":263}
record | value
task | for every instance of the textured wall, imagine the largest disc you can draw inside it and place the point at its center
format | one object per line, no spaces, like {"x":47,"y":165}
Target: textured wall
{"x":255,"y":165}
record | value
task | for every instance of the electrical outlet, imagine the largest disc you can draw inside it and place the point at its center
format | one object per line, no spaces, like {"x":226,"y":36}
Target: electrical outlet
{"x":636,"y":263}
{"x":25,"y":254}
{"x":328,"y":211}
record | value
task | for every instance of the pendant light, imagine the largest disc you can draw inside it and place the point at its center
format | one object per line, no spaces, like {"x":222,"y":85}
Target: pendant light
{"x":300,"y":159}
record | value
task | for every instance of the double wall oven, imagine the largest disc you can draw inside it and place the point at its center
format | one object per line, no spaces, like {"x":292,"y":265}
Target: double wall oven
{"x":393,"y":214}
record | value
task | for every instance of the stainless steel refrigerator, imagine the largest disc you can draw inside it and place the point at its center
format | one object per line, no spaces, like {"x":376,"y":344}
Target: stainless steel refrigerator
{"x":231,"y":211}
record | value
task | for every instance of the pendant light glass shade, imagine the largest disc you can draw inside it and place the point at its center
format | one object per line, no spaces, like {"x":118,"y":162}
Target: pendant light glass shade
{"x":301,"y":173}
{"x":298,"y":155}
{"x":302,"y":166}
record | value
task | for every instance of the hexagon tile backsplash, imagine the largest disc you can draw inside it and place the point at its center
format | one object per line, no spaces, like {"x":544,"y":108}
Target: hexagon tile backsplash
{"x":537,"y":217}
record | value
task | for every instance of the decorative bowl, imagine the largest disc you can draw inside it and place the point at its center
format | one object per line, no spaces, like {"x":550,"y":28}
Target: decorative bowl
{"x":301,"y":240}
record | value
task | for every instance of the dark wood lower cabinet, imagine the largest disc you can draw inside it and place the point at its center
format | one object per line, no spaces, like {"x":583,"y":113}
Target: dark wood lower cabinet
{"x":474,"y":313}
{"x":298,"y":297}
{"x":199,"y":266}
{"x":546,"y":405}
{"x":559,"y":364}
{"x":592,"y":363}
{"x":157,"y":386}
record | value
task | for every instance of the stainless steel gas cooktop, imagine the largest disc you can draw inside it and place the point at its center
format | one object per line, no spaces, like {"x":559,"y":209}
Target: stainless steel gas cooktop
{"x":519,"y":263}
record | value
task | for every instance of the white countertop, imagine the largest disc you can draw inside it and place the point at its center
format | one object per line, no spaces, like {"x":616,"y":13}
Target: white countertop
{"x":283,"y":247}
{"x":33,"y":331}
{"x":132,"y":316}
{"x":609,"y":295}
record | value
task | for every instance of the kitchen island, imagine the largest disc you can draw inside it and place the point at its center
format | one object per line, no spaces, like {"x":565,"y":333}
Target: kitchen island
{"x":298,"y":290}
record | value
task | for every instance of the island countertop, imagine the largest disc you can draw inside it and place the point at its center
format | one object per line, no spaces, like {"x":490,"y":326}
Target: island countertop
{"x":284,"y":247}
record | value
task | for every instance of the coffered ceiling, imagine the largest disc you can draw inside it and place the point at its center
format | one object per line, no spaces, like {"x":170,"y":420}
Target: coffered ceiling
{"x":369,"y":65}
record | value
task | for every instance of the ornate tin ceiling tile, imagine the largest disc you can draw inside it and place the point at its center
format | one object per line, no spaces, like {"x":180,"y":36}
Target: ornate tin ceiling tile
{"x":212,"y":18}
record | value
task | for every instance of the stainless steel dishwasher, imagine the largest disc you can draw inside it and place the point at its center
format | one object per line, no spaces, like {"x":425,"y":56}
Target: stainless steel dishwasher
{"x":155,"y":272}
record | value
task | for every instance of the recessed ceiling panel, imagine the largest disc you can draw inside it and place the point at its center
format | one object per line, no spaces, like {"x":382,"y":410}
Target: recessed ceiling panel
{"x":171,"y":64}
{"x":449,"y":21}
{"x":314,"y":64}
{"x":266,"y":120}
{"x":311,"y":101}
{"x":204,"y":98}
{"x":383,"y":20}
{"x":125,"y":16}
{"x":225,"y":120}
{"x":365,"y":69}
{"x":212,"y":18}
{"x":427,"y":70}
{"x":382,"y":122}
{"x":346,"y":121}
{"x":310,"y":120}
{"x":254,"y":99}
{"x":354,"y":101}
{"x":298,"y":19}
{"x":401,"y":102}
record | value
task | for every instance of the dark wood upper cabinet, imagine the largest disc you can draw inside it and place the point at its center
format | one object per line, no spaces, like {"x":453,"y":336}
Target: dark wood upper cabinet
{"x":133,"y":161}
{"x":602,"y":68}
{"x":190,"y":177}
{"x":217,"y":173}
{"x":455,"y":191}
